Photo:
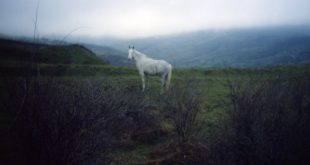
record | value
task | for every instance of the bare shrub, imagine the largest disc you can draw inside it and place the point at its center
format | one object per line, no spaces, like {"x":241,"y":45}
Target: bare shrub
{"x":181,"y":107}
{"x":74,"y":121}
{"x":270,"y":122}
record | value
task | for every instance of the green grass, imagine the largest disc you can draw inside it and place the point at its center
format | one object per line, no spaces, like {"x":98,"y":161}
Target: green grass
{"x":75,"y":65}
{"x":210,"y":82}
{"x":19,"y":52}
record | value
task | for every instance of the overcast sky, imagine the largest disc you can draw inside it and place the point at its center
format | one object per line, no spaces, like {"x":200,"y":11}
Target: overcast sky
{"x":141,"y":18}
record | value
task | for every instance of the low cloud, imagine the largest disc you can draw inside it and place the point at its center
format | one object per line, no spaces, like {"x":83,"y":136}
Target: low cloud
{"x":137,"y":18}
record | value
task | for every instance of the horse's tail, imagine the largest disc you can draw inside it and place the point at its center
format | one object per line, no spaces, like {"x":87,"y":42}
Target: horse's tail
{"x":169,"y":77}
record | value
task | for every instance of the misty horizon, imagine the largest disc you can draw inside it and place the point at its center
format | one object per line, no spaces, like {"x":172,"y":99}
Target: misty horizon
{"x":138,"y":19}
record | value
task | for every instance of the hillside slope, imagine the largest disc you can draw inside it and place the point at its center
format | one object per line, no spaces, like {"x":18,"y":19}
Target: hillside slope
{"x":113,"y":56}
{"x":12,"y":51}
{"x":221,"y":48}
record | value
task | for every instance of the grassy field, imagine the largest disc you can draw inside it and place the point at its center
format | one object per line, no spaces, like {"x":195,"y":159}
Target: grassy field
{"x":144,"y":126}
{"x":68,"y":107}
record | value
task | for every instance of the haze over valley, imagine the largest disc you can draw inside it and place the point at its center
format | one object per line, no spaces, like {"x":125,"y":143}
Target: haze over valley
{"x":198,"y":33}
{"x":255,"y":47}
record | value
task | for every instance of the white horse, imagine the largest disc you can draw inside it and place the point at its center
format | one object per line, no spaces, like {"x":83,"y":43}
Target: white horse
{"x":149,"y":66}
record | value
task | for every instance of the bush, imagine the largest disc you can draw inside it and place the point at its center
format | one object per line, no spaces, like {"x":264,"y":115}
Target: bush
{"x":269,"y":123}
{"x":69,"y":121}
{"x":181,"y":106}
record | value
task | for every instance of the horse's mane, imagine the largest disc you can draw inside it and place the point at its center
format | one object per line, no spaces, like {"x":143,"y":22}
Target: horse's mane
{"x":139,"y":54}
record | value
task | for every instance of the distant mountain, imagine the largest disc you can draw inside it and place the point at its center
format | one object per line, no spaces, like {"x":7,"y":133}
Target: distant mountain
{"x":256,"y":47}
{"x":113,"y":56}
{"x":220,"y":48}
{"x":16,"y":51}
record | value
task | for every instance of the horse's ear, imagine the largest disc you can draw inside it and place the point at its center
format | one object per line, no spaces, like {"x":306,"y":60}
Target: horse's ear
{"x":129,"y":47}
{"x":133,"y":47}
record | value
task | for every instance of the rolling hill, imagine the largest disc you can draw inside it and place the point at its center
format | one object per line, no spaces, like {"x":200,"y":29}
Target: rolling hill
{"x":221,"y":48}
{"x":256,"y":47}
{"x":113,"y":56}
{"x":14,"y":51}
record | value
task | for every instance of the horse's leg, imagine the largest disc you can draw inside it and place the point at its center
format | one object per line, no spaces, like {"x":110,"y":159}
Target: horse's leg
{"x":166,"y":82}
{"x":146,"y":78}
{"x":143,"y":82}
{"x":162,"y":80}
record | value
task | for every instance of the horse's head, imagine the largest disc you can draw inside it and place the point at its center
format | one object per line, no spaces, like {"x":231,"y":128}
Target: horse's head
{"x":130,"y":52}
